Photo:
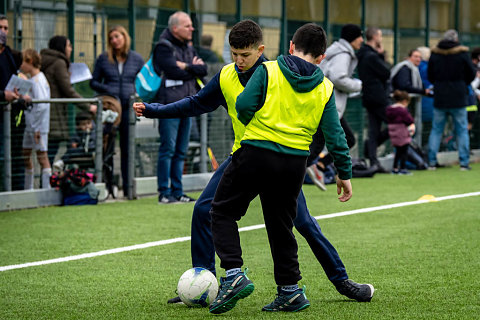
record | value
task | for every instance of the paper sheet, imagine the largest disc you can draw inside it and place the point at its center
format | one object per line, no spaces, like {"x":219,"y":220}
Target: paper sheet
{"x":79,"y":72}
{"x":22,"y":85}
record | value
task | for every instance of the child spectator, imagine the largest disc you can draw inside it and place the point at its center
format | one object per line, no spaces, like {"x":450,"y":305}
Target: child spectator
{"x":37,"y":121}
{"x":81,"y":144}
{"x":400,"y":129}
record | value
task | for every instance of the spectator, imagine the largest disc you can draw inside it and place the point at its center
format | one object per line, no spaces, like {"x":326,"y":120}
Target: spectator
{"x":338,"y":66}
{"x":205,"y":50}
{"x":55,"y":64}
{"x":374,"y":73}
{"x":427,"y":101}
{"x":37,"y":121}
{"x":450,"y":69}
{"x":400,"y":130}
{"x":82,"y":143}
{"x":114,"y":74}
{"x":405,"y":75}
{"x":180,"y":66}
{"x":10,"y":61}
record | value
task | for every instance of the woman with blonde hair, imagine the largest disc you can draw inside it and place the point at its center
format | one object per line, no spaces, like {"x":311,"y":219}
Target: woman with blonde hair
{"x":114,"y":74}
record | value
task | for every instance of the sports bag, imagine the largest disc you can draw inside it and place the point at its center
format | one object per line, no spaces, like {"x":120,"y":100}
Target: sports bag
{"x":148,"y":81}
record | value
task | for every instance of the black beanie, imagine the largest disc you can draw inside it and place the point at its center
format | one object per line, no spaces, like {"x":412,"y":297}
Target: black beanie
{"x":351,"y":32}
{"x":58,"y":43}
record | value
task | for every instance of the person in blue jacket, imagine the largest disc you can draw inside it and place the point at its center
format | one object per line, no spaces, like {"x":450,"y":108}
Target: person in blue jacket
{"x":114,"y":74}
{"x":247,"y":52}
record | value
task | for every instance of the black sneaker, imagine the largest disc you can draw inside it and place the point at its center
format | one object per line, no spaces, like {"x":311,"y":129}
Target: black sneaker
{"x":465,"y":168}
{"x":175,"y":300}
{"x":293,"y":302}
{"x":357,"y":291}
{"x":164,"y":199}
{"x":184,"y":199}
{"x":232,"y":291}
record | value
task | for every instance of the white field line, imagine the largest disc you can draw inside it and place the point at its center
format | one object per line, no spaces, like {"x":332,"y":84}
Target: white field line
{"x":254,"y":227}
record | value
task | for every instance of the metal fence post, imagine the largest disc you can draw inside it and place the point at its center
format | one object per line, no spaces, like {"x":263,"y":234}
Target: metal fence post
{"x":99,"y":142}
{"x":418,"y":120}
{"x":7,"y":150}
{"x":132,"y":120}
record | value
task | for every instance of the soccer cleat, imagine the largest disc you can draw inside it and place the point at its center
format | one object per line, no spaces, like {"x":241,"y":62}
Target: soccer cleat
{"x":465,"y":168}
{"x":317,"y":177}
{"x":296,"y":301}
{"x":175,"y":300}
{"x":232,"y":291}
{"x":184,"y":199}
{"x":357,"y":291}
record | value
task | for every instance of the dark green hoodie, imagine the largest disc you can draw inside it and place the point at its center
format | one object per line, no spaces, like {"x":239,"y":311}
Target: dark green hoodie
{"x":303,"y":77}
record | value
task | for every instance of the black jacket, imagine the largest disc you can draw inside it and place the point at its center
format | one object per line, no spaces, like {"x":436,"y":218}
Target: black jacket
{"x":13,"y":60}
{"x":165,"y":56}
{"x":374,"y":73}
{"x":451,"y":71}
{"x":403,"y":81}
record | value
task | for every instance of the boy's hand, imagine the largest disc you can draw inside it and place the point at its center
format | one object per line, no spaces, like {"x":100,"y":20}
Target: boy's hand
{"x":37,"y":137}
{"x":139,"y":107}
{"x":347,"y":190}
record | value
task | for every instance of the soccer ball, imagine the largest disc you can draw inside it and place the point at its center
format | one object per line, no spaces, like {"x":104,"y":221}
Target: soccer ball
{"x":197,"y":287}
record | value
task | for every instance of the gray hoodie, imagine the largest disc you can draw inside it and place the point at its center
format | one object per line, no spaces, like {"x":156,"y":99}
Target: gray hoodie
{"x":338,"y":66}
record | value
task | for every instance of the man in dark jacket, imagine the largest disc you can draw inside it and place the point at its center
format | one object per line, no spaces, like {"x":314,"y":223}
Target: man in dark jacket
{"x":451,"y":71}
{"x":374,"y":73}
{"x":405,"y":75}
{"x":180,"y":66}
{"x":10,"y":61}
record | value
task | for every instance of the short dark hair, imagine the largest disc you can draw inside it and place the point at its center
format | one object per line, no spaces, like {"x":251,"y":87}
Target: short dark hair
{"x":206,"y":40}
{"x":371,"y":32}
{"x":82,"y":116}
{"x":476,"y":53}
{"x":3,"y":17}
{"x":245,"y":34}
{"x":310,"y":39}
{"x":412,"y":51}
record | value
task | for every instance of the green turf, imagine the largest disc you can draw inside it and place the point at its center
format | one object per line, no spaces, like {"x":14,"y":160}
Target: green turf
{"x":423,"y":259}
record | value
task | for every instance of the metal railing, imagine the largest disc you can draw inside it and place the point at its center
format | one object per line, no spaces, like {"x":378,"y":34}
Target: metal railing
{"x":7,"y":135}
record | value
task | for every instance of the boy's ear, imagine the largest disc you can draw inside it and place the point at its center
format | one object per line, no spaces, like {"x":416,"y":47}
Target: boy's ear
{"x":261,"y":48}
{"x":292,"y":47}
{"x":320,"y":58}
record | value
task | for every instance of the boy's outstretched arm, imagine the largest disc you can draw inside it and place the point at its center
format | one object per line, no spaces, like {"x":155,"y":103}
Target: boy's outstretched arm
{"x":206,"y":100}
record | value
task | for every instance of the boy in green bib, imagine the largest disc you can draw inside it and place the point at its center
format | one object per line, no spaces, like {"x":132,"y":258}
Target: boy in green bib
{"x":282,"y":106}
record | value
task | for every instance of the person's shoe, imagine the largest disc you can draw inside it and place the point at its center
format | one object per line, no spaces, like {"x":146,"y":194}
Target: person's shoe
{"x":465,"y":168}
{"x":293,"y":302}
{"x":404,"y":172}
{"x":357,"y":291}
{"x":395,"y":171}
{"x":184,"y":199}
{"x":165,"y":199}
{"x":317,"y":177}
{"x":175,"y":300}
{"x":432,"y":168}
{"x":232,"y":291}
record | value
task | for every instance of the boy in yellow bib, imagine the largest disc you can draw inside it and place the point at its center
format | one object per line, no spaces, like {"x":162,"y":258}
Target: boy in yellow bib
{"x":282,"y":107}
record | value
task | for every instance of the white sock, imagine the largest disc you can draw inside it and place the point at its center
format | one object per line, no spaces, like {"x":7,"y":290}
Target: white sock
{"x":28,"y":179}
{"x":46,"y":173}
{"x":232,"y":272}
{"x":291,"y":288}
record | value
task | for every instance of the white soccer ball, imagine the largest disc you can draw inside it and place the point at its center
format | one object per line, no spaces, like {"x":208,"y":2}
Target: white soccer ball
{"x":197,"y":287}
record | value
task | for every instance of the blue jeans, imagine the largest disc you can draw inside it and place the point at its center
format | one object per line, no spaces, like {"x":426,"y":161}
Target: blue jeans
{"x":203,"y":251}
{"x":460,"y":123}
{"x":174,"y":137}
